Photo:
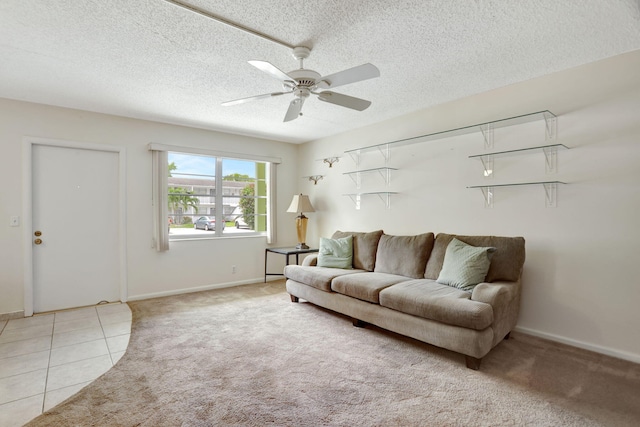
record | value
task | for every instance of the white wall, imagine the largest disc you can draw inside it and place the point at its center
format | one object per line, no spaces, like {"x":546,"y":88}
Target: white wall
{"x":188,"y":264}
{"x":581,"y":281}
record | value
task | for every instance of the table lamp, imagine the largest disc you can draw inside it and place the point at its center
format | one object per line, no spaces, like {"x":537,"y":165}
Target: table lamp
{"x":301,"y":203}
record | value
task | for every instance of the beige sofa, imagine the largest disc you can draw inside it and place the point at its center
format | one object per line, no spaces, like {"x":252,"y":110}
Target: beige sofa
{"x":393,"y":285}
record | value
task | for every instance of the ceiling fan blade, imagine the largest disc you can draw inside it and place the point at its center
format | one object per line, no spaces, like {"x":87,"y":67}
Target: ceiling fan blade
{"x":352,"y":75}
{"x":295,"y":107}
{"x":252,"y":98}
{"x":344,"y":100}
{"x":273,"y":71}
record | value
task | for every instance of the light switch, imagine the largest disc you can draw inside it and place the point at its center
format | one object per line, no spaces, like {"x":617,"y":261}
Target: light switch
{"x":14,"y":221}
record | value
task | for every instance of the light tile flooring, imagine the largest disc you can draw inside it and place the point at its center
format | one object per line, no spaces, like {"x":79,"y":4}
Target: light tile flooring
{"x":48,"y":357}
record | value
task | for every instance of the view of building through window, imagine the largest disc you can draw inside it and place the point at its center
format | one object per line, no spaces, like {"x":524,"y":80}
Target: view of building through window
{"x":211,"y":196}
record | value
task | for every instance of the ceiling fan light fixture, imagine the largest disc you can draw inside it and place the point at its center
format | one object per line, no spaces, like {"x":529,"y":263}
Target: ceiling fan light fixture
{"x":306,"y":78}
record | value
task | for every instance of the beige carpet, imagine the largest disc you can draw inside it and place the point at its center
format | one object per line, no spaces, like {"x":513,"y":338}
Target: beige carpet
{"x":247,"y":356}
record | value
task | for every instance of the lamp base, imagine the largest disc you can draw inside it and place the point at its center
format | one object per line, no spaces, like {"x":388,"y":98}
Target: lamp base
{"x":301,"y":230}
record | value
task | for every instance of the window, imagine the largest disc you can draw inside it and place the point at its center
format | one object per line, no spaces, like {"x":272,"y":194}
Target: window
{"x":213,"y":196}
{"x":204,"y":194}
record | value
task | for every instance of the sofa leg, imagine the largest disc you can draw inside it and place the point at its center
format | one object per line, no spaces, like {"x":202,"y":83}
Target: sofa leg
{"x":359,"y":323}
{"x":506,"y":337}
{"x":473,"y":362}
{"x":294,"y":298}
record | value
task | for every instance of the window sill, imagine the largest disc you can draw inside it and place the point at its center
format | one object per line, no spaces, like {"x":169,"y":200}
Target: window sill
{"x":213,"y":237}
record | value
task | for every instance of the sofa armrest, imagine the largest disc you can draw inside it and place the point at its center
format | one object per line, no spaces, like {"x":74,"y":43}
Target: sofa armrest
{"x":495,"y":294}
{"x":504,"y":298}
{"x":310,"y":260}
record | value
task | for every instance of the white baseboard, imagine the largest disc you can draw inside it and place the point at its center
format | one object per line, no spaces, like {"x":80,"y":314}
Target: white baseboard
{"x":580,"y":344}
{"x":196,"y":289}
{"x":12,"y":315}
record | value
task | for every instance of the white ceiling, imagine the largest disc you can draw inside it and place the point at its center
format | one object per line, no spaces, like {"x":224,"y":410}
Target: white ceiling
{"x":150,"y":59}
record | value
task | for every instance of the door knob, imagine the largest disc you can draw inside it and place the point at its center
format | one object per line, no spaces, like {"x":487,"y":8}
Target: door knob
{"x":37,"y":233}
{"x":38,"y":241}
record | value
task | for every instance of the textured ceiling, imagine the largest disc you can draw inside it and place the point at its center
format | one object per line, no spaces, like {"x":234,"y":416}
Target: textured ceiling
{"x":150,"y":59}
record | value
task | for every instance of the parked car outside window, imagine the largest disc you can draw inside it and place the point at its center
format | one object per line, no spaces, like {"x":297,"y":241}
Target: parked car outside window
{"x":206,"y":223}
{"x":240,"y":223}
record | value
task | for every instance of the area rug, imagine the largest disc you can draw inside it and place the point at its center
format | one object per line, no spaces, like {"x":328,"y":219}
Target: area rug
{"x":248,"y":356}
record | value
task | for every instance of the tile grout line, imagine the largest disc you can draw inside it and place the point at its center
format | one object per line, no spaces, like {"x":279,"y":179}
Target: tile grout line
{"x":46,"y":378}
{"x":46,"y":381}
{"x":47,"y":368}
{"x":104,"y":334}
{"x":50,"y":353}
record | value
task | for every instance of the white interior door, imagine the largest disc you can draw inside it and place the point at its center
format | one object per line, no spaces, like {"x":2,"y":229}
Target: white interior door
{"x":76,"y":210}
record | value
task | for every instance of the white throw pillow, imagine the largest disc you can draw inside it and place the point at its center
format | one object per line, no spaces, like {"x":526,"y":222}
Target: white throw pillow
{"x":464,"y":265}
{"x":336,"y":253}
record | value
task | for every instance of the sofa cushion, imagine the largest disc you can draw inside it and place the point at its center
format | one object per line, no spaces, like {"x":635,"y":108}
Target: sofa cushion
{"x":365,"y":286}
{"x":464,"y":265}
{"x":365,"y":246}
{"x":431,"y":300}
{"x":336,"y":253}
{"x":404,"y":255}
{"x":317,"y":277}
{"x":506,"y":261}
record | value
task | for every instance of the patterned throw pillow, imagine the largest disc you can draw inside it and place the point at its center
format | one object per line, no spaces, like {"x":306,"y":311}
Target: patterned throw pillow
{"x":336,"y":253}
{"x":464,"y":265}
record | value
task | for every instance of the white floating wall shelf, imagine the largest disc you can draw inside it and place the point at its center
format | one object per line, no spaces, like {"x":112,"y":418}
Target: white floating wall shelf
{"x":550,"y":156}
{"x":550,"y":189}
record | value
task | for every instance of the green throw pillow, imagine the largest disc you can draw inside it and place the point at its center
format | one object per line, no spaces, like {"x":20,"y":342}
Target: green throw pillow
{"x":464,"y":265}
{"x":336,"y":253}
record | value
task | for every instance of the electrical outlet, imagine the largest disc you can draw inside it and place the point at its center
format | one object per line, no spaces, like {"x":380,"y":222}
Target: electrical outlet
{"x":233,"y":269}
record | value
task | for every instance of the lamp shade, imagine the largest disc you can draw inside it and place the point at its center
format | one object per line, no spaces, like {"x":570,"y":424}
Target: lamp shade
{"x":300,"y":203}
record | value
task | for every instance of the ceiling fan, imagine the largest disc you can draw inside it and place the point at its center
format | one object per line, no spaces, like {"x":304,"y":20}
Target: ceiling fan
{"x":303,"y":82}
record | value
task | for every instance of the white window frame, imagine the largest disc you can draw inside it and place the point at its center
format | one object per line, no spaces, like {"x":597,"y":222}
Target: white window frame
{"x":160,"y":191}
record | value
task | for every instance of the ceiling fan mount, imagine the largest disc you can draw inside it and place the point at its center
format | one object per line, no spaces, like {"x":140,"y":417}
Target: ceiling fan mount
{"x":303,"y":82}
{"x":301,"y":52}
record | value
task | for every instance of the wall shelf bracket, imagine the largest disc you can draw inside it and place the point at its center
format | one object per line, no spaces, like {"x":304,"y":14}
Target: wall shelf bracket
{"x":314,"y":178}
{"x":385,"y":196}
{"x":386,"y":199}
{"x":331,"y":160}
{"x":487,"y":133}
{"x":551,"y":158}
{"x":385,"y":174}
{"x":355,"y":156}
{"x":487,"y":194}
{"x":385,"y":151}
{"x":551,"y":125}
{"x":551,"y":193}
{"x":356,"y":178}
{"x":356,"y":199}
{"x":487,"y":165}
